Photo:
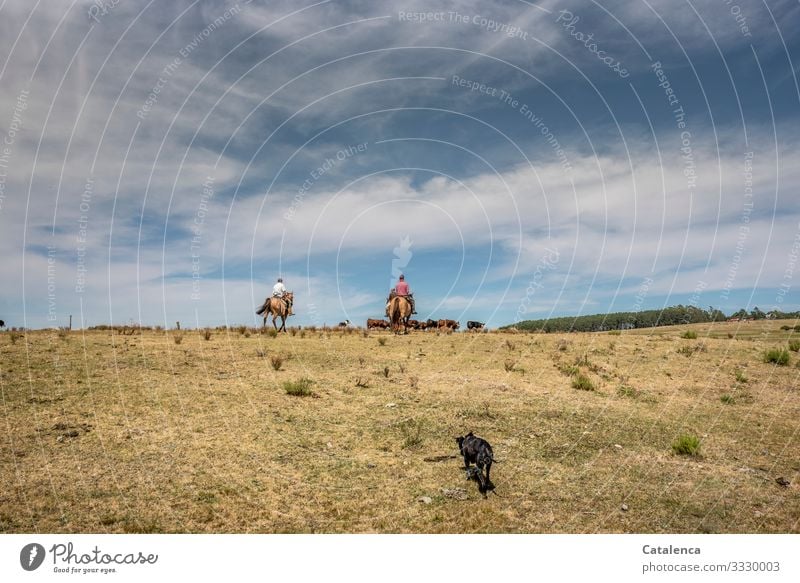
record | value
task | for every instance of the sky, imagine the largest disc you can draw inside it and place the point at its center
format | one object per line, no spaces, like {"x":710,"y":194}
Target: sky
{"x":167,"y":161}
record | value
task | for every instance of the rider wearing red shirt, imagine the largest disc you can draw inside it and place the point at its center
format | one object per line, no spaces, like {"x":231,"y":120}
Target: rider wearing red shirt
{"x":402,"y":289}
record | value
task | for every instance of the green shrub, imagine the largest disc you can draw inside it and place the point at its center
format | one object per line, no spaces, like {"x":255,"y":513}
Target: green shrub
{"x":569,"y":370}
{"x":728,"y":399}
{"x":614,"y":332}
{"x":690,"y":335}
{"x":779,"y":356}
{"x":794,"y":345}
{"x":686,"y":445}
{"x":740,"y":378}
{"x":412,"y":433}
{"x":687,"y":351}
{"x":299,"y":388}
{"x":582,"y":383}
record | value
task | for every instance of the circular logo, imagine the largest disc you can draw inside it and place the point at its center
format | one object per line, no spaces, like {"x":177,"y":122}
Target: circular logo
{"x":31,"y":556}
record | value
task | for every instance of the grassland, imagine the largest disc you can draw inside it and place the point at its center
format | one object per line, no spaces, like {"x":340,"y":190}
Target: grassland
{"x":136,"y":433}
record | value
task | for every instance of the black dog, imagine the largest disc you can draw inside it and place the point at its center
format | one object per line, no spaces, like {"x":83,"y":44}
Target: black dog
{"x":478,"y":451}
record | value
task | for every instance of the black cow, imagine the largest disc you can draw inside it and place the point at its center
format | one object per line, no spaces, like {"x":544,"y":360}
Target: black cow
{"x":472,"y":325}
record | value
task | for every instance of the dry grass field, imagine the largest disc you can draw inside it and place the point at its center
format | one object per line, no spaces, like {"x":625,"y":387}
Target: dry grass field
{"x":139,"y":433}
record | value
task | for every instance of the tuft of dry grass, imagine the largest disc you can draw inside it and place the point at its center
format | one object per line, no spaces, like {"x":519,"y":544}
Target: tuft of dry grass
{"x":299,"y":388}
{"x":686,"y":445}
{"x":582,"y":383}
{"x":276,"y":362}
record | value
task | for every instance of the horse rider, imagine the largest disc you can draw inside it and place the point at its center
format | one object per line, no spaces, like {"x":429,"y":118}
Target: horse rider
{"x":402,"y":290}
{"x":278,"y":291}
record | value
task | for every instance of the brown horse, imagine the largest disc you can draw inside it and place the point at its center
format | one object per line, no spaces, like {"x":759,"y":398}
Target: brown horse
{"x":399,"y":313}
{"x":277,"y":307}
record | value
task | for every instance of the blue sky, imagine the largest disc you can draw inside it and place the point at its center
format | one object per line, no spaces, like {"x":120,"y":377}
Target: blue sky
{"x":167,"y":161}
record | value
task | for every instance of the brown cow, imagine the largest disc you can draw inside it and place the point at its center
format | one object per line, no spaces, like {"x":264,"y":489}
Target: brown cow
{"x":380,"y":324}
{"x":413,"y":324}
{"x":448,"y":324}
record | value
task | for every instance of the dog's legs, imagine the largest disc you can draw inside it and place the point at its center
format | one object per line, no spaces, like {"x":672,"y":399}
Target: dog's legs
{"x":481,"y":479}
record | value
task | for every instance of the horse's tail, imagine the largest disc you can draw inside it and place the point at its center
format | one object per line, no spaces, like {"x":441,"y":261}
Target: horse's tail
{"x":263,"y":307}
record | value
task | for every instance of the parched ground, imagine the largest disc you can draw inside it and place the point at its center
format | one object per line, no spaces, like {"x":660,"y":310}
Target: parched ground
{"x":137,"y":433}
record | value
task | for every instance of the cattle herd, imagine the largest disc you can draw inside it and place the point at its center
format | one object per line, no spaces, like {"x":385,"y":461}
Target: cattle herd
{"x":451,"y":325}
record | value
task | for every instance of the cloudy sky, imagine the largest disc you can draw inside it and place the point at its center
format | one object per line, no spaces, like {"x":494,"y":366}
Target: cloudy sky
{"x":165,"y":161}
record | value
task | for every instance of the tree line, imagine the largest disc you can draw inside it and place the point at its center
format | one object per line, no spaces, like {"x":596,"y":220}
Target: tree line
{"x":675,"y":315}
